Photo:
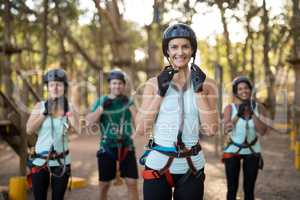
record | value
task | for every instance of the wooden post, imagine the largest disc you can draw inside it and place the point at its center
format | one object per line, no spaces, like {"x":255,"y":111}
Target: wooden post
{"x":297,"y":155}
{"x":293,"y":135}
{"x":219,"y":144}
{"x":295,"y":62}
{"x":23,"y":144}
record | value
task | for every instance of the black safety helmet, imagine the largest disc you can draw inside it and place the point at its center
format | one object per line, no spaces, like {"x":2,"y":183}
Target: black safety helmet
{"x":116,"y":75}
{"x":238,"y":80}
{"x":56,"y":75}
{"x":179,"y":30}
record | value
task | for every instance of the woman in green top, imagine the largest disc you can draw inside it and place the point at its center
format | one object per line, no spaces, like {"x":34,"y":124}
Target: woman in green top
{"x":115,"y":115}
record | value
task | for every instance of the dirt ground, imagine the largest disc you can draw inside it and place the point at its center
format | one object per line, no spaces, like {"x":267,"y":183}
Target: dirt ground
{"x":278,"y":181}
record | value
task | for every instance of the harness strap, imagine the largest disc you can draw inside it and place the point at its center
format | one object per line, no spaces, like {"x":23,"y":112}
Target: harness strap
{"x":180,"y":153}
{"x":34,"y":170}
{"x":37,"y":169}
{"x":169,"y":151}
{"x":167,"y":166}
{"x":191,"y":165}
{"x":52,"y":156}
{"x":122,"y":153}
{"x":149,"y":174}
{"x":230,"y":155}
{"x":154,"y":174}
{"x":243,"y":145}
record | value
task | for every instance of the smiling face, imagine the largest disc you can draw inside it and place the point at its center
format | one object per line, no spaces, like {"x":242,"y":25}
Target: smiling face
{"x":56,"y":89}
{"x":243,"y":91}
{"x":117,"y":87}
{"x":180,"y":52}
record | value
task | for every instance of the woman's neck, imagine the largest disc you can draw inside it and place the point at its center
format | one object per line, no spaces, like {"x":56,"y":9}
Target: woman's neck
{"x":181,"y":77}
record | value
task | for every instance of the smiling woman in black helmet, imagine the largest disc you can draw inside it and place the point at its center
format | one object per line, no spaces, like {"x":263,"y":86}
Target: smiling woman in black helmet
{"x":242,"y":121}
{"x":51,"y":121}
{"x":176,"y":103}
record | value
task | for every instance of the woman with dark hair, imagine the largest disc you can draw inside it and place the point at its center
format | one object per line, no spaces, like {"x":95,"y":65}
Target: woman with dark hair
{"x":51,"y":120}
{"x":243,"y":119}
{"x":176,"y":103}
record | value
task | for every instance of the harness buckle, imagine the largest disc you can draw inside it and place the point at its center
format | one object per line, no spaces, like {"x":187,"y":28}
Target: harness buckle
{"x":194,"y":151}
{"x":155,"y":174}
{"x":150,"y":143}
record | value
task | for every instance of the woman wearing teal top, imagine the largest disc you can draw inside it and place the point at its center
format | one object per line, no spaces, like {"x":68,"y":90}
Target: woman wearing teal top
{"x":176,"y":104}
{"x":115,"y":115}
{"x":51,"y":120}
{"x":243,"y":119}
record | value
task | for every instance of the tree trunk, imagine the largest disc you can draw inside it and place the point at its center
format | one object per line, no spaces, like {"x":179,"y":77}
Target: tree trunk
{"x":8,"y":83}
{"x":120,"y":43}
{"x":295,"y":24}
{"x":270,"y":79}
{"x":244,"y":61}
{"x":229,"y":55}
{"x":44,"y":36}
{"x":252,"y":60}
{"x":99,"y":46}
{"x":61,"y":33}
{"x":295,"y":59}
{"x":155,"y":58}
{"x":154,"y":61}
{"x":66,"y":33}
{"x":219,"y":139}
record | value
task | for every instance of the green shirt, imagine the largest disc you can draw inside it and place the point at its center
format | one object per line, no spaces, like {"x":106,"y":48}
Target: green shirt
{"x":110,"y":121}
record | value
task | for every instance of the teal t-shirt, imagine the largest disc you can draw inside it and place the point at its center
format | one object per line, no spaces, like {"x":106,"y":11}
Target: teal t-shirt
{"x":115,"y":123}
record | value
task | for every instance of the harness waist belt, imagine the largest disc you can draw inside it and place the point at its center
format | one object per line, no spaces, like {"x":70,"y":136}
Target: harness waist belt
{"x":52,"y":156}
{"x":193,"y":151}
{"x":243,"y":145}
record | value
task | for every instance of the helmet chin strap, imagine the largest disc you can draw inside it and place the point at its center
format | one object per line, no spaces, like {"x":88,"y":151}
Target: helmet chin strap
{"x":175,"y":70}
{"x":169,"y":61}
{"x":194,"y":58}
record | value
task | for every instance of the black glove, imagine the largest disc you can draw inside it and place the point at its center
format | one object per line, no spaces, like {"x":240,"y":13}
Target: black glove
{"x":252,"y":105}
{"x":124,"y":99}
{"x":49,"y":104}
{"x":242,"y":108}
{"x":246,"y":106}
{"x":198,"y":77}
{"x":164,"y":79}
{"x":107,"y":103}
{"x":60,"y":102}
